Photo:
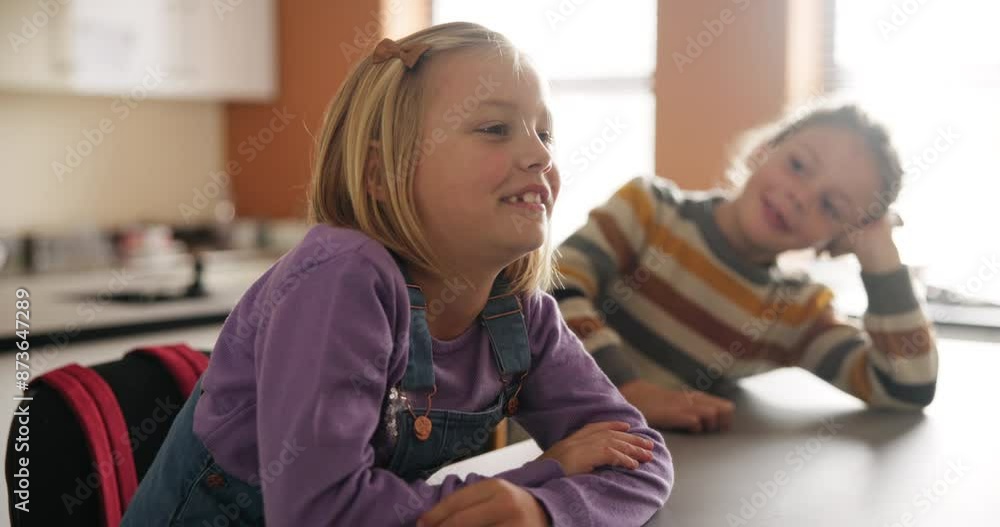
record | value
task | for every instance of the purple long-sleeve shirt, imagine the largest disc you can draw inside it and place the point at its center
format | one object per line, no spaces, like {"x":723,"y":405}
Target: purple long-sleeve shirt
{"x":295,"y":386}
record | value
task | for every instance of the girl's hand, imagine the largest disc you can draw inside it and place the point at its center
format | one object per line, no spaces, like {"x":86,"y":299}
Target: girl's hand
{"x":692,"y":411}
{"x":488,"y":502}
{"x":598,"y":444}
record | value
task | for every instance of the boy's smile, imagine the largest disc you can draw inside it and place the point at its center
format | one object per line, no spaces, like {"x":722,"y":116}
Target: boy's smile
{"x":811,"y":189}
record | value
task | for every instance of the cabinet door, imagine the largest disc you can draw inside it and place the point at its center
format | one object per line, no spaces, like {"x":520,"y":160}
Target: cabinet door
{"x":224,"y":49}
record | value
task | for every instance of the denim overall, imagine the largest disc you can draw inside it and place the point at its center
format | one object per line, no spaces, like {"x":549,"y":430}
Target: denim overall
{"x":185,"y":486}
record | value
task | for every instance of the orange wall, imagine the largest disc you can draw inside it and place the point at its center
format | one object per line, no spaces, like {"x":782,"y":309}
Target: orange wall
{"x":745,"y":69}
{"x":313,"y":35}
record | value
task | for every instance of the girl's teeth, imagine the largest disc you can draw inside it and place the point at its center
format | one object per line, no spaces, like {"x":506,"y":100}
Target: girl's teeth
{"x":527,"y":197}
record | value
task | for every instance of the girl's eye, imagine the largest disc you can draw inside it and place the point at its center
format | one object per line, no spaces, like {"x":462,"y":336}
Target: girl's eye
{"x":546,"y":137}
{"x":795,"y":164}
{"x":495,"y":129}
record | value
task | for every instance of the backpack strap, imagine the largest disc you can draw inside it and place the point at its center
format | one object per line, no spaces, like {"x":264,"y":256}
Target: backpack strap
{"x":183,"y":363}
{"x":114,"y":423}
{"x":197,"y":359}
{"x":81,"y":400}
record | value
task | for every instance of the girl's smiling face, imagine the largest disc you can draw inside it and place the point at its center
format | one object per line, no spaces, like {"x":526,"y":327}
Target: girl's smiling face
{"x":813,"y":187}
{"x":485,"y":183}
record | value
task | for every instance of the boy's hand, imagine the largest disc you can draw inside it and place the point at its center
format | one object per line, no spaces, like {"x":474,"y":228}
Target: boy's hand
{"x":692,"y":410}
{"x":873,"y":245}
{"x":488,"y":502}
{"x":598,"y":444}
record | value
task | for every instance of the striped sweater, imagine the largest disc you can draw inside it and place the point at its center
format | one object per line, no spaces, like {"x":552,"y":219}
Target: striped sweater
{"x":654,"y":290}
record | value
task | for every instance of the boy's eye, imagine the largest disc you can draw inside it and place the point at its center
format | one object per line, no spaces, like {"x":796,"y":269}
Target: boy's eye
{"x":830,"y":209}
{"x":546,"y":137}
{"x":795,"y":164}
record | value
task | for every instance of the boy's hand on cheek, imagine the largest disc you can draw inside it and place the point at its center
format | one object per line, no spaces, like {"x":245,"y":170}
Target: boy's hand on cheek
{"x":488,"y":502}
{"x":874,"y":247}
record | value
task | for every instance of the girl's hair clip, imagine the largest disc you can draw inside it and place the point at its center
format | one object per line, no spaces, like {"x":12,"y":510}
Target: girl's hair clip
{"x":408,"y":53}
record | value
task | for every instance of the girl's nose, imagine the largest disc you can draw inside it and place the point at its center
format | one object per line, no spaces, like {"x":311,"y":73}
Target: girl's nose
{"x":534,"y":155}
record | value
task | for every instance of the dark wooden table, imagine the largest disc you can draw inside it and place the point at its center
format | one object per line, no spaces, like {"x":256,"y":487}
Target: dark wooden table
{"x":802,"y":454}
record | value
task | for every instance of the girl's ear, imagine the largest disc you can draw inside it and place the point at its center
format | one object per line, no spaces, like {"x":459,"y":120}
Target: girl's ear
{"x":373,"y":183}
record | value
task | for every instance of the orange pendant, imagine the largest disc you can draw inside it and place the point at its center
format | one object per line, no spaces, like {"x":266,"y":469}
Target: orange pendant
{"x":422,"y":428}
{"x":512,"y":406}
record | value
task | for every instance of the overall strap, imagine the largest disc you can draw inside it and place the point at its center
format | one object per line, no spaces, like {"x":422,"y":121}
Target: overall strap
{"x":504,"y":320}
{"x":419,"y":374}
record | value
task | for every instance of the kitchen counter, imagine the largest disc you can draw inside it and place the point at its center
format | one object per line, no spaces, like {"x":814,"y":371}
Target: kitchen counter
{"x":73,"y":307}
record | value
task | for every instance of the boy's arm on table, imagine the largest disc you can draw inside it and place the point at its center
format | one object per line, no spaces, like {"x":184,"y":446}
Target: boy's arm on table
{"x":892,"y":362}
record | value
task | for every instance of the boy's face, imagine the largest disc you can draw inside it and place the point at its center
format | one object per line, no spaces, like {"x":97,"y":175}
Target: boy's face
{"x":813,"y":187}
{"x":485,"y":138}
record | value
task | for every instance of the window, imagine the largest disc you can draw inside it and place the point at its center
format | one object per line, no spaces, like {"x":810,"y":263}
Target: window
{"x":931,"y":72}
{"x":599,"y":58}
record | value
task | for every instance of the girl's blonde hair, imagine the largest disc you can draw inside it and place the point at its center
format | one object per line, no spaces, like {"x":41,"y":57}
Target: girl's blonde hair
{"x":757,"y":144}
{"x":383,"y":104}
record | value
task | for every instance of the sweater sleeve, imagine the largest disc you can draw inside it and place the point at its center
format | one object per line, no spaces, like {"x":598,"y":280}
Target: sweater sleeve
{"x":599,"y":255}
{"x":892,"y":362}
{"x":565,"y":391}
{"x":323,"y":365}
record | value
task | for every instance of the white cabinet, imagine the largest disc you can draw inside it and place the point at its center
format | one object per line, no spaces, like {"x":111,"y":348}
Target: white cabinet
{"x":206,"y":49}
